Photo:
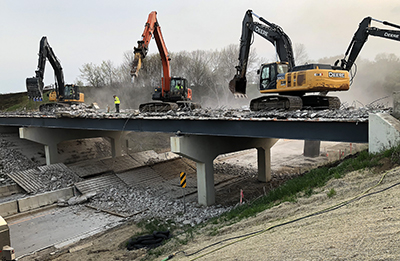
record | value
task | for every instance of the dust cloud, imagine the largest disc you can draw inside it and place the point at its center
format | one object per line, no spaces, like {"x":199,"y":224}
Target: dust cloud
{"x":372,"y":81}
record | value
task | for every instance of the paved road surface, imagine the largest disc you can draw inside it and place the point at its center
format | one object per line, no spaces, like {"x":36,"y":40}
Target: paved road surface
{"x":30,"y":233}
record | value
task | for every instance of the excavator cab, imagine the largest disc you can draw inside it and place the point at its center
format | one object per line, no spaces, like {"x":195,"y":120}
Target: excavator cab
{"x":269,"y":74}
{"x":179,"y":91}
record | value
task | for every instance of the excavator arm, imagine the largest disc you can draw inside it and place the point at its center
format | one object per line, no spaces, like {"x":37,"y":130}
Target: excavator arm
{"x":152,"y":28}
{"x":360,"y":38}
{"x":35,"y":84}
{"x":271,"y":32}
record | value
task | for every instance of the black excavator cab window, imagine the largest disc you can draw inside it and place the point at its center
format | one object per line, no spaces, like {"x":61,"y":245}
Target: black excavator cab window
{"x":176,"y":81}
{"x":269,"y":74}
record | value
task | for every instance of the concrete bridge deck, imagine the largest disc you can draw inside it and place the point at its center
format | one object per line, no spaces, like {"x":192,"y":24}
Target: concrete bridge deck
{"x":310,"y":129}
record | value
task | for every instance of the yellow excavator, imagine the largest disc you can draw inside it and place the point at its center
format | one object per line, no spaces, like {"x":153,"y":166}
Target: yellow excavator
{"x":63,"y":94}
{"x":290,"y":82}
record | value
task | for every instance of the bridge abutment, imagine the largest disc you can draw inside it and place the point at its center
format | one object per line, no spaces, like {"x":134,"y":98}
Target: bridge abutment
{"x":204,"y":149}
{"x":50,"y":138}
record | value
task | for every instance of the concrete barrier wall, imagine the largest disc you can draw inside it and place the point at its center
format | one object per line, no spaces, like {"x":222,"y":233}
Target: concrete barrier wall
{"x":384,"y":132}
{"x":44,"y":199}
{"x":8,"y":208}
{"x":9,"y":190}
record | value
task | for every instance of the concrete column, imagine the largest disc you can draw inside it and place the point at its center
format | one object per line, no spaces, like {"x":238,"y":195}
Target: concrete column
{"x":396,"y":105}
{"x":312,"y":148}
{"x":204,"y":149}
{"x":51,"y":153}
{"x":51,"y":137}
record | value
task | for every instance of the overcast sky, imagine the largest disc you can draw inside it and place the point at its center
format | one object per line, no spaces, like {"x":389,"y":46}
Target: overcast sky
{"x":87,"y":31}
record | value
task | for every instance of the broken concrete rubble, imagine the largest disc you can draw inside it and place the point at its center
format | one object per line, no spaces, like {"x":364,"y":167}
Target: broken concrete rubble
{"x":347,"y":113}
{"x":139,"y":204}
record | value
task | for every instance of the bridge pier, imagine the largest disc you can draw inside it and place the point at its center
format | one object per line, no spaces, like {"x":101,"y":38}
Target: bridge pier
{"x":50,"y":138}
{"x":204,"y":149}
{"x":312,"y":148}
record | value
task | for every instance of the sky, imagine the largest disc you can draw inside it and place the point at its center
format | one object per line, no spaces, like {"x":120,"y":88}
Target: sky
{"x":88,"y":31}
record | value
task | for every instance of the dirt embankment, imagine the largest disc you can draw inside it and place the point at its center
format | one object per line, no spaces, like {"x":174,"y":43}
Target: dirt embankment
{"x":365,"y":229}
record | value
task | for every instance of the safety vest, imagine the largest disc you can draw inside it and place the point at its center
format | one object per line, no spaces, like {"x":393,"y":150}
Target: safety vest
{"x":116,"y":100}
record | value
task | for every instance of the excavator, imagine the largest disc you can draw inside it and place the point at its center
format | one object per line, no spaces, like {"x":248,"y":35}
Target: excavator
{"x":63,"y":94}
{"x":360,"y":38}
{"x":174,"y":92}
{"x":289,"y":81}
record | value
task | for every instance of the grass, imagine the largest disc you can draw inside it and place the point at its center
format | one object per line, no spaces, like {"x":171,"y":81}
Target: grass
{"x":19,"y":102}
{"x":331,"y":193}
{"x":307,"y":183}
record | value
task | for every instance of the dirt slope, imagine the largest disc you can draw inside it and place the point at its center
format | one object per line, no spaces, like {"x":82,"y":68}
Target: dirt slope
{"x":366,"y":229}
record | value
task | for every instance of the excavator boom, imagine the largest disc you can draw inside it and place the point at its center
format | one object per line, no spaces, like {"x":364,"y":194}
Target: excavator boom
{"x":35,"y":84}
{"x":152,"y":28}
{"x":269,"y":31}
{"x":360,"y":38}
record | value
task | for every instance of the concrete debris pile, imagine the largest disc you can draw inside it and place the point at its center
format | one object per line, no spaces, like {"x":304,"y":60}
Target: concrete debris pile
{"x":57,"y":178}
{"x":10,"y":161}
{"x":235,"y":170}
{"x":141,"y":204}
{"x":348,"y":113}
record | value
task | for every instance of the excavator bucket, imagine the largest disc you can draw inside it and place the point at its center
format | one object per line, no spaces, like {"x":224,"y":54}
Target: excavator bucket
{"x":34,"y":87}
{"x":238,"y":87}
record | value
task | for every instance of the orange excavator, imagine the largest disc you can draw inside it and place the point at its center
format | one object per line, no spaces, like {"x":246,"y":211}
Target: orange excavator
{"x":174,"y":92}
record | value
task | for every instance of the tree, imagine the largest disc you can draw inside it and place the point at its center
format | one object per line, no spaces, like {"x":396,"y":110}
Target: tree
{"x":300,"y":54}
{"x":91,"y":74}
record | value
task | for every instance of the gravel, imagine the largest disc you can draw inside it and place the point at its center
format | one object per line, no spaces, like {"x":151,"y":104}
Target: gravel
{"x":54,"y":179}
{"x":139,"y":204}
{"x":11,"y":160}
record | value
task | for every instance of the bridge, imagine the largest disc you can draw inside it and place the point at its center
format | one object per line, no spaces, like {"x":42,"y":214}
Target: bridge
{"x":200,"y":139}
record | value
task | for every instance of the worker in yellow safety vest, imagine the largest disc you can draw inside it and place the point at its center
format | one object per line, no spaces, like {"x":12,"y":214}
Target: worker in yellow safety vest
{"x":116,"y":102}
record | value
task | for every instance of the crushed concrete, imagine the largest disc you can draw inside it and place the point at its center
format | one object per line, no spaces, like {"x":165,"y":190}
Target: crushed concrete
{"x":11,"y":160}
{"x":139,"y":204}
{"x":345,"y":113}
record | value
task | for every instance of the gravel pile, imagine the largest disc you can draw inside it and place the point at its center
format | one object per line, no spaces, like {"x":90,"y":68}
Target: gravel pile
{"x":144,"y":204}
{"x":11,"y":161}
{"x":57,"y":178}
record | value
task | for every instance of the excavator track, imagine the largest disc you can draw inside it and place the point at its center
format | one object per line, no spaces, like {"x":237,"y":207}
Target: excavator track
{"x":270,"y":102}
{"x":321,"y":102}
{"x":158,"y":107}
{"x":53,"y":105}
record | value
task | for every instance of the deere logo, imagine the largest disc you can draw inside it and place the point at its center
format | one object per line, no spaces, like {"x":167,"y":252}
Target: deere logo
{"x":336,"y":75}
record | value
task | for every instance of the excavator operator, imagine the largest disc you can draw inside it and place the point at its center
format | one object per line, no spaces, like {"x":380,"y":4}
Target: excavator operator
{"x":178,"y":87}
